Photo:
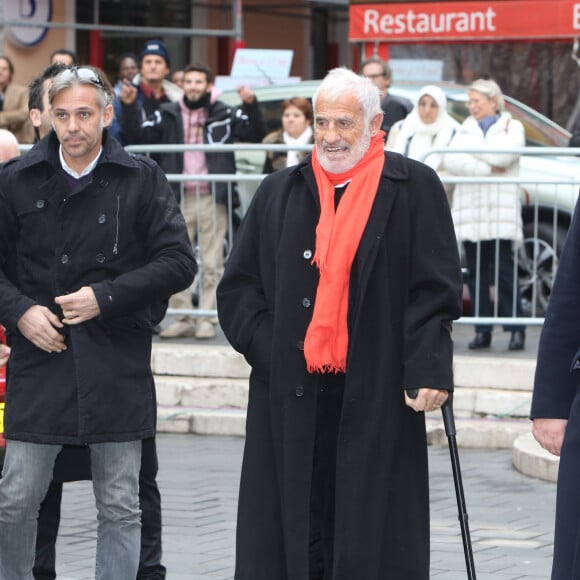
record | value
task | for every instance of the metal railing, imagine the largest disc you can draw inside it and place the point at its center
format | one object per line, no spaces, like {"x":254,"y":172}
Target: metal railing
{"x":548,"y":203}
{"x":548,"y":200}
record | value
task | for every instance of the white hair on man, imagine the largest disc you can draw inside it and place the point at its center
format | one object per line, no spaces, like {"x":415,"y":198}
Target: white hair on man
{"x":341,"y":81}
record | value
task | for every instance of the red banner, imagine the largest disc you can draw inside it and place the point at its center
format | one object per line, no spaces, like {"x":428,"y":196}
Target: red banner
{"x":459,"y":21}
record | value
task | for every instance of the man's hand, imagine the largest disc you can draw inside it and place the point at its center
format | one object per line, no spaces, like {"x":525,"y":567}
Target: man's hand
{"x":4,"y":354}
{"x":427,"y":399}
{"x":246,"y":94}
{"x":128,"y":92}
{"x":549,"y":433}
{"x":39,"y":325}
{"x":79,"y":306}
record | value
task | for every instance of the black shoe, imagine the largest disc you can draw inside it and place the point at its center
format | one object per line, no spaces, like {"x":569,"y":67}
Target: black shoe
{"x":481,"y":340}
{"x":518,"y":340}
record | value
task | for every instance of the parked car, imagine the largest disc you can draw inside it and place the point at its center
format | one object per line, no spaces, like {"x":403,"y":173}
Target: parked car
{"x":546,"y":208}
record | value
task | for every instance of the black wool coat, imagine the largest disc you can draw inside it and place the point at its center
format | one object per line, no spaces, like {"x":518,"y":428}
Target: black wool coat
{"x":405,"y":290}
{"x":122,"y":234}
{"x":557,"y":396}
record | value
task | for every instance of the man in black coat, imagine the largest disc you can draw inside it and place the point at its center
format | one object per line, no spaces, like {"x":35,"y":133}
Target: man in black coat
{"x":556,"y":402}
{"x":340,"y":292}
{"x":198,"y":118}
{"x":73,"y":462}
{"x":80,"y":325}
{"x":394,"y":108}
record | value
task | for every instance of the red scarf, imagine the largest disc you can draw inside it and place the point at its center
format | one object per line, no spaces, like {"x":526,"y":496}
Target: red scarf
{"x":338,"y":236}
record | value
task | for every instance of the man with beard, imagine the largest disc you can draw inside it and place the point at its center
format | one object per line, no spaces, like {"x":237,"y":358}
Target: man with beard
{"x":198,"y":118}
{"x":340,"y":292}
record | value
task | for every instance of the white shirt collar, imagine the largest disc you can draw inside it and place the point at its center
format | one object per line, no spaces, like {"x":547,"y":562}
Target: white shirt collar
{"x":85,"y":171}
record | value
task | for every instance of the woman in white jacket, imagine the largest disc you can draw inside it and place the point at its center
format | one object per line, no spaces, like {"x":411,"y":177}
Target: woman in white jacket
{"x":487,"y":217}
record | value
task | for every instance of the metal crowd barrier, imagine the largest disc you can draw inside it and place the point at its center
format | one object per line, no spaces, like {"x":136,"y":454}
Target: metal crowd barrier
{"x":548,"y":203}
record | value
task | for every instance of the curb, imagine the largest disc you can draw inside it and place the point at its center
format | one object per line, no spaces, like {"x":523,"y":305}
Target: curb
{"x":530,"y":459}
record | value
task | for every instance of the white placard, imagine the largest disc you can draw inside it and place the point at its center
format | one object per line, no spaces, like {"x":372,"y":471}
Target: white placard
{"x":416,"y":69}
{"x":225,"y":83}
{"x":269,"y":64}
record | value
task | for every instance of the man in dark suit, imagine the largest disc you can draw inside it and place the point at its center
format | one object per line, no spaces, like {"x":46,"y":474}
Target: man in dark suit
{"x":556,"y":401}
{"x":394,"y":108}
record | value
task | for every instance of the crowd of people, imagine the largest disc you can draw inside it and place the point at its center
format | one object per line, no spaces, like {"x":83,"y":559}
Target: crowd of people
{"x":340,"y":292}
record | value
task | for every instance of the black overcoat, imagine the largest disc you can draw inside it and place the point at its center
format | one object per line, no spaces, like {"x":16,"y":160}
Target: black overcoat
{"x":122,"y":234}
{"x":556,"y":396}
{"x":405,"y":291}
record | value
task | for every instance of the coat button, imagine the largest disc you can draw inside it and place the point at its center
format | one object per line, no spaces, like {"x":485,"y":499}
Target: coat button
{"x":102,"y":218}
{"x":64,"y":259}
{"x":307,"y":254}
{"x":40,"y":203}
{"x":299,"y":391}
{"x":300,"y":345}
{"x":100,"y":258}
{"x":306,"y":302}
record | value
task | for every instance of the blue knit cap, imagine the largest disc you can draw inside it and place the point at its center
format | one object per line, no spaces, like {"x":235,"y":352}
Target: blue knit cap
{"x":156,"y":47}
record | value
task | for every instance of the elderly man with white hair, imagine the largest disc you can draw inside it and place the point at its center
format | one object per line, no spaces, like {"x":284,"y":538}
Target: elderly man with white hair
{"x":340,"y":292}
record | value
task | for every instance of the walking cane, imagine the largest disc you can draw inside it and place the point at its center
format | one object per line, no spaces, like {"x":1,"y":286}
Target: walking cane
{"x":449,"y":422}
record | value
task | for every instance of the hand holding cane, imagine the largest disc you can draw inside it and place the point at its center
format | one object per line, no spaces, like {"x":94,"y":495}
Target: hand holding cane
{"x":449,"y":422}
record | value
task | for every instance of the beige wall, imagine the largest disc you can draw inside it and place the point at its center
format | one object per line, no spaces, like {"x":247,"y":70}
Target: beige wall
{"x":28,"y":62}
{"x":262,"y":30}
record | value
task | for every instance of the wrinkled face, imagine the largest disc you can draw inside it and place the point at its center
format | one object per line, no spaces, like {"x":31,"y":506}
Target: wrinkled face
{"x":294,"y":121}
{"x":195,"y":85}
{"x":341,"y":135}
{"x":128,"y":68}
{"x":374,"y":71}
{"x":481,"y":106}
{"x":78,"y":121}
{"x":428,"y":109}
{"x":5,"y":75}
{"x":154,"y":68}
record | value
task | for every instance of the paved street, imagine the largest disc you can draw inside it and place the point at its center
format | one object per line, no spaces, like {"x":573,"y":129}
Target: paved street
{"x":511,"y":515}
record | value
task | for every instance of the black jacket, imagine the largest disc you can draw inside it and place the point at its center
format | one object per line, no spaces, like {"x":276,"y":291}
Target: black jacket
{"x":394,"y":109}
{"x":224,"y":125}
{"x":122,"y":234}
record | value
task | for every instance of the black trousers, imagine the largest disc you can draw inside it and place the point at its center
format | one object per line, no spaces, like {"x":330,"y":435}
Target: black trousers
{"x":506,"y":295}
{"x":322,"y":497}
{"x":150,"y":566}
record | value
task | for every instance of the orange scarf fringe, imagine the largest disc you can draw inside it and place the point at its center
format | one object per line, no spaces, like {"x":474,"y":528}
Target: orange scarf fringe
{"x":338,"y":236}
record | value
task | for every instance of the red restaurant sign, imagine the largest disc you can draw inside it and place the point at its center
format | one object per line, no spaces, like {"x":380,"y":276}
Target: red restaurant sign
{"x":456,"y":21}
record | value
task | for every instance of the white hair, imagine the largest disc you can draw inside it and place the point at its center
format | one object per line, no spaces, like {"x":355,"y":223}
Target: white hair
{"x":341,"y":81}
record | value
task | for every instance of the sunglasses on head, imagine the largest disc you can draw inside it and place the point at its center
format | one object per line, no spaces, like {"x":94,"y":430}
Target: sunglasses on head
{"x":82,"y":74}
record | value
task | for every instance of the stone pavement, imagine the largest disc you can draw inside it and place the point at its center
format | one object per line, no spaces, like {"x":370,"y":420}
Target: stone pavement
{"x":511,"y":515}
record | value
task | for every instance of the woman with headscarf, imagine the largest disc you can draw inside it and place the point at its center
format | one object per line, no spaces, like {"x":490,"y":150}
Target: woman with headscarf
{"x":487,"y":217}
{"x":296,"y":130}
{"x":427,"y":126}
